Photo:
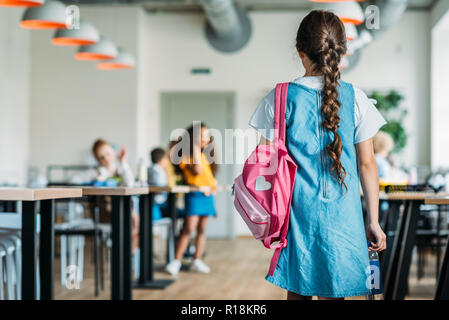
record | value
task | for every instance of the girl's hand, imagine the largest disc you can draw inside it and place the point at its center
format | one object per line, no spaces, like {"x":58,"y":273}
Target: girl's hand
{"x":374,"y":232}
{"x":122,"y":154}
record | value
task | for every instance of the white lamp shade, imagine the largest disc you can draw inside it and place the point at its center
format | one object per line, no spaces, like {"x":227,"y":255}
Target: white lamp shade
{"x":344,"y":63}
{"x":124,"y":60}
{"x":350,"y":48}
{"x":351,"y":31}
{"x":327,"y":1}
{"x":87,"y":34}
{"x":50,"y":15}
{"x":21,"y":3}
{"x":102,"y":50}
{"x":347,"y":11}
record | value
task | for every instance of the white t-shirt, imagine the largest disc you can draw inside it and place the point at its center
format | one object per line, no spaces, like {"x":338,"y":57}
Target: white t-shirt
{"x":367,"y":118}
{"x":158,"y":177}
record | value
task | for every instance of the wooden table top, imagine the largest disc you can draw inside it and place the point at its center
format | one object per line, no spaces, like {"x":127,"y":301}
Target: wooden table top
{"x":35,"y":194}
{"x":187,"y":189}
{"x":176,"y":189}
{"x":115,"y":191}
{"x":120,"y":191}
{"x":129,"y":191}
{"x":437,"y":200}
{"x":409,"y":195}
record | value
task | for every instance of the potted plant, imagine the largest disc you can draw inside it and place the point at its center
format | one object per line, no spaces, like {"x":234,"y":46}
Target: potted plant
{"x":388,"y":105}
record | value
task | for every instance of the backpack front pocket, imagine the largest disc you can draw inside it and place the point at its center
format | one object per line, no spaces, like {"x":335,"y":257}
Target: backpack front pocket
{"x":255,"y":216}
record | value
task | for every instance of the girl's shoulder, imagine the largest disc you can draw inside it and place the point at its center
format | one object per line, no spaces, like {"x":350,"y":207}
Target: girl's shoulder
{"x":267,"y":102}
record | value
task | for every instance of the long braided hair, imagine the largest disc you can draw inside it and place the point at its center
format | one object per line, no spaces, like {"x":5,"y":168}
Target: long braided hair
{"x":321,"y":36}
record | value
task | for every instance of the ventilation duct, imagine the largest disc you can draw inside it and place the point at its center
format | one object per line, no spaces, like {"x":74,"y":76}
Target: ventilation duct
{"x":390,"y":11}
{"x":228,"y":29}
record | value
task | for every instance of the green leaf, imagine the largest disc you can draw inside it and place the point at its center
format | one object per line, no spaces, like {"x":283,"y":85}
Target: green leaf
{"x":386,"y":104}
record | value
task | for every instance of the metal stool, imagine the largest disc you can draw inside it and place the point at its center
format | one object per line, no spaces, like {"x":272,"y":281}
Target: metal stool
{"x":9,"y":272}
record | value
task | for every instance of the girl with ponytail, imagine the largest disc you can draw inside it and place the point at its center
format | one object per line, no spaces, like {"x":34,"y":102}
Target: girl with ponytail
{"x":330,"y":125}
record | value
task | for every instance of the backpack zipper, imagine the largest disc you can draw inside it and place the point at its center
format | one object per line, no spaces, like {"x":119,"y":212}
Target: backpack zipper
{"x":323,"y":163}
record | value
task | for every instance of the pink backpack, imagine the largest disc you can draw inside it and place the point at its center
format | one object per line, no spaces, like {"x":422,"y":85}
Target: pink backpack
{"x":263,"y":192}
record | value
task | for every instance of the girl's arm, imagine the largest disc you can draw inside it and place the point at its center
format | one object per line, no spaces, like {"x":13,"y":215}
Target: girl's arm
{"x":264,"y":141}
{"x":125,"y":172}
{"x":370,"y":184}
{"x":195,"y":167}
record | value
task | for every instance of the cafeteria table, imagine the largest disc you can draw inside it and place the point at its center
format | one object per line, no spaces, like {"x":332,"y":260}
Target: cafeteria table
{"x":146,"y":278}
{"x":121,"y":277}
{"x":442,"y":291}
{"x":398,"y":257}
{"x":30,"y":199}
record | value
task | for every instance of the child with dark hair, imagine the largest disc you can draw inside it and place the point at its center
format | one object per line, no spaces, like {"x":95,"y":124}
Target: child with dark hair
{"x":157,"y":176}
{"x":199,"y":206}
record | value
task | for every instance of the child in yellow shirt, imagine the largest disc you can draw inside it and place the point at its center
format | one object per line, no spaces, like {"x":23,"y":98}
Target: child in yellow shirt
{"x":198,"y":205}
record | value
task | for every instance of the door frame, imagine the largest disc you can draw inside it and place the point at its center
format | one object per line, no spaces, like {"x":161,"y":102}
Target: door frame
{"x":230,"y":97}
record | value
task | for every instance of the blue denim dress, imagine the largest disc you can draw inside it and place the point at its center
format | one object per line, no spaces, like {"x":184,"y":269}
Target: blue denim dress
{"x":327,"y":252}
{"x":199,"y":204}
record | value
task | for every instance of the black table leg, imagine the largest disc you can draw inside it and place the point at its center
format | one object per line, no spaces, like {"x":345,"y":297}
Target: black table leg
{"x":145,"y":239}
{"x":394,"y":234}
{"x":390,"y":222}
{"x":438,"y":244}
{"x":173,"y":213}
{"x":47,"y":249}
{"x":127,"y":248}
{"x":117,"y":275}
{"x":121,"y":248}
{"x":146,"y":279}
{"x":29,"y":257}
{"x":408,"y":241}
{"x":442,"y":292}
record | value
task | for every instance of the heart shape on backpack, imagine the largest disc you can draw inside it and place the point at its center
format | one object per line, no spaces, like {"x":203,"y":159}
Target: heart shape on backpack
{"x":262,"y":184}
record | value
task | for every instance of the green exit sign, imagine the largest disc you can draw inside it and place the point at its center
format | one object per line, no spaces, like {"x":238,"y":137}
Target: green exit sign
{"x":200,"y":71}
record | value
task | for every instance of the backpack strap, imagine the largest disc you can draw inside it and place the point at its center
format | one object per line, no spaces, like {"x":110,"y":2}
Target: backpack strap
{"x":280,"y":105}
{"x":281,"y":245}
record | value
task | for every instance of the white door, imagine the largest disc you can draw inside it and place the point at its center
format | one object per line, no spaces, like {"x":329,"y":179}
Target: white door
{"x":216,"y":109}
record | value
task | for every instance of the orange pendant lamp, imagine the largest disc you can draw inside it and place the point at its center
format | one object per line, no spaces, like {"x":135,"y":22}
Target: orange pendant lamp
{"x":87,"y":34}
{"x":21,"y":3}
{"x":124,"y":60}
{"x":102,"y":50}
{"x":50,"y":15}
{"x":347,"y":11}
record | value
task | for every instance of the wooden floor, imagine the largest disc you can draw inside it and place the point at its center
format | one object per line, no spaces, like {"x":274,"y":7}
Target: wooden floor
{"x":238,"y":271}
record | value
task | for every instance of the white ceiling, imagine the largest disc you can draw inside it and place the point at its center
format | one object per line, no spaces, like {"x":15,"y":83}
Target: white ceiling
{"x":306,"y":3}
{"x":182,"y":5}
{"x":261,"y":4}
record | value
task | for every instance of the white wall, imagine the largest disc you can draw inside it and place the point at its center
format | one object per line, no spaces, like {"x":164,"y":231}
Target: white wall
{"x":438,"y":11}
{"x":172,"y":44}
{"x":400,"y":59}
{"x":440,"y":101}
{"x":14,"y":87}
{"x":72,"y":103}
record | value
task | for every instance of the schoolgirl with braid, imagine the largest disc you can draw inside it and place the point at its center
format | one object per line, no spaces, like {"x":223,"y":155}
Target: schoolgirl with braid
{"x":330,"y":125}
